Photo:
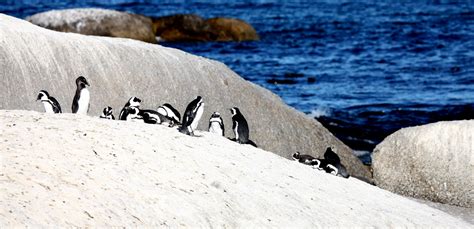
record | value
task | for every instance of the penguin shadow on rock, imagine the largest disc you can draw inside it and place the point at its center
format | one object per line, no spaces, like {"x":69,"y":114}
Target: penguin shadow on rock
{"x":331,"y":163}
{"x":240,"y":128}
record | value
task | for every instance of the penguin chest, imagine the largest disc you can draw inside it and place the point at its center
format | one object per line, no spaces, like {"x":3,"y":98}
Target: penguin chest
{"x":197,"y":117}
{"x":104,"y":116}
{"x":216,"y":128}
{"x":133,"y":118}
{"x":236,"y":130}
{"x":48,"y":108}
{"x":83,"y":102}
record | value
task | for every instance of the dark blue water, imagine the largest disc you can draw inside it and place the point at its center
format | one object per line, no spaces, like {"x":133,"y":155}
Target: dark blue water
{"x":364,"y":70}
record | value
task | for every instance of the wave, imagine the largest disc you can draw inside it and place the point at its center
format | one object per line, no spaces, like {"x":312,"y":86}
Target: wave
{"x":320,"y":111}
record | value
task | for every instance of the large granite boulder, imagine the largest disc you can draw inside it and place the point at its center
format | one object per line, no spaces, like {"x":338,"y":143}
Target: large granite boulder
{"x":433,"y":162}
{"x":33,"y":58}
{"x":99,"y":22}
{"x":191,"y":27}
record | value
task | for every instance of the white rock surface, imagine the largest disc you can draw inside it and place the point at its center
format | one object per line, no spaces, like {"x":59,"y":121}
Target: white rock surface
{"x":33,"y":58}
{"x":71,"y":170}
{"x":433,"y":162}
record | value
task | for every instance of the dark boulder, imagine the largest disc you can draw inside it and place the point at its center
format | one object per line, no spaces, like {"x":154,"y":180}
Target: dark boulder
{"x":191,"y":27}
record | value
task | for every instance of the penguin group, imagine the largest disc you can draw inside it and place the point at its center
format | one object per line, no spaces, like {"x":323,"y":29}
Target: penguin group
{"x":331,"y":163}
{"x":165,"y":114}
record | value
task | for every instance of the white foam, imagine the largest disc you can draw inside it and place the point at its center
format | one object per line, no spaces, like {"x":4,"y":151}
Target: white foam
{"x":320,"y":111}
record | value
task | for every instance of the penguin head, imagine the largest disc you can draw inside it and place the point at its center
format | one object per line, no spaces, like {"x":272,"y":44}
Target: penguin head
{"x":316,"y":163}
{"x":296,"y":156}
{"x":132,"y":113}
{"x":216,"y":115}
{"x":133,"y":102}
{"x":199,"y":101}
{"x":107,"y":111}
{"x":81,"y":82}
{"x":234,"y":110}
{"x":43,"y":95}
{"x":317,"y":166}
{"x":332,"y":169}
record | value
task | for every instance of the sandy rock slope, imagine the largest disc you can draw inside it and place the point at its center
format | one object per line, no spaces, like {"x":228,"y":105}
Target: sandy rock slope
{"x":69,"y":170}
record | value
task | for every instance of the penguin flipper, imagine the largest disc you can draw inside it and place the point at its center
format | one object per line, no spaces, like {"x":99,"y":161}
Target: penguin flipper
{"x":75,"y":104}
{"x":56,"y":106}
{"x":222,"y":126}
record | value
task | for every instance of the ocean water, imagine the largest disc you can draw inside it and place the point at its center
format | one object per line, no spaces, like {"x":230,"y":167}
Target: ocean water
{"x":364,"y":69}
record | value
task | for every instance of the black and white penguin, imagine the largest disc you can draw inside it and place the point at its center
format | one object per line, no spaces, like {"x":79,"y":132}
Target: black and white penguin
{"x":305,"y":159}
{"x":132,"y":102}
{"x":331,"y":157}
{"x":332,"y":164}
{"x":172,"y":115}
{"x":192,"y":115}
{"x":80,"y":103}
{"x":240,"y":127}
{"x":107,"y":113}
{"x":216,"y":125}
{"x":51,"y":105}
{"x":131,"y":114}
{"x":151,"y":116}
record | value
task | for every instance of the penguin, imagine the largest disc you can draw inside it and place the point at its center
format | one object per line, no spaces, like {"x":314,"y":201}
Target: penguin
{"x":332,"y":164}
{"x":132,"y":114}
{"x":80,"y":103}
{"x":305,"y":159}
{"x":107,"y":113}
{"x":172,"y":115}
{"x":192,"y":115}
{"x":132,"y":102}
{"x":240,"y":127}
{"x":51,"y":105}
{"x":331,"y":156}
{"x":216,"y":125}
{"x":151,"y":116}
